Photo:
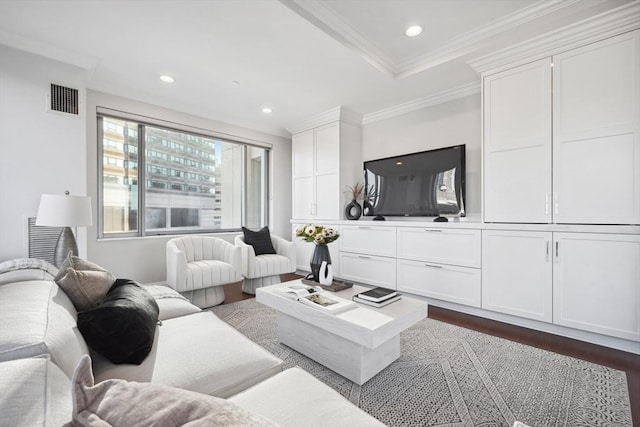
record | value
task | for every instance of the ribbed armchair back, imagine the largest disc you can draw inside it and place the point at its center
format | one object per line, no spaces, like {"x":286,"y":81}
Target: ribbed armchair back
{"x":201,"y":248}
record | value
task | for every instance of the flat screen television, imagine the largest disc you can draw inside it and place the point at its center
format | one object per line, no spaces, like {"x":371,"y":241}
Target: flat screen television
{"x":428,"y":183}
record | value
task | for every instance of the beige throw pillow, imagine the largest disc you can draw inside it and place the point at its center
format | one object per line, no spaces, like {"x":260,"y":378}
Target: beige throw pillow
{"x":84,"y":282}
{"x":133,"y":404}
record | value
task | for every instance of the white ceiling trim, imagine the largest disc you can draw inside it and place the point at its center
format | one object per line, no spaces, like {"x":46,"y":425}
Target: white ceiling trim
{"x":335,"y":26}
{"x":333,"y":115}
{"x":473,"y":40}
{"x":47,"y":50}
{"x":419,"y":104}
{"x":340,"y":30}
{"x":607,"y":24}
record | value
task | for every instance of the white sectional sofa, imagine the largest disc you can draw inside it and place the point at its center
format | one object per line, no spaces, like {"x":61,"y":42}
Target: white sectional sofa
{"x":41,"y":346}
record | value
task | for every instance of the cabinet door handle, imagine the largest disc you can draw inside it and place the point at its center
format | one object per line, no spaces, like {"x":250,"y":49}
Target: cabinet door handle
{"x":546,"y":204}
{"x":557,"y":251}
{"x":364,"y":257}
{"x":433,"y":266}
{"x":547,"y":254}
{"x":433,"y":230}
{"x":555,"y":203}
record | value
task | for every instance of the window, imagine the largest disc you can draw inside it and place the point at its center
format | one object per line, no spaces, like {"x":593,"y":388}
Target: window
{"x":178,"y":171}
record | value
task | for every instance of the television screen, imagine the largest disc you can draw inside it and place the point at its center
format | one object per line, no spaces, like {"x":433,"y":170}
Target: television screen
{"x":428,"y":183}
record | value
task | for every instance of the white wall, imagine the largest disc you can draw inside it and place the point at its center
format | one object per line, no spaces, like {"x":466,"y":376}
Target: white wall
{"x":42,"y":152}
{"x":451,"y":123}
{"x":143,"y":259}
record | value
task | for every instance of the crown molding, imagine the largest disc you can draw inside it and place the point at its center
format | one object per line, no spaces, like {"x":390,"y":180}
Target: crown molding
{"x":477,"y":38}
{"x":333,"y":115}
{"x":339,"y":29}
{"x":607,"y":24}
{"x":419,"y":104}
{"x":333,"y":25}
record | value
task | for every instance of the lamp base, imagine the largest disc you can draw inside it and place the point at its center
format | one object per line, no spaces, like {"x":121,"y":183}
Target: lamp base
{"x":66,"y":242}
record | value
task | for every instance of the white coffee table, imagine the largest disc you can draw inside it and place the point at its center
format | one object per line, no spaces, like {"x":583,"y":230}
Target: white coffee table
{"x":357,"y":343}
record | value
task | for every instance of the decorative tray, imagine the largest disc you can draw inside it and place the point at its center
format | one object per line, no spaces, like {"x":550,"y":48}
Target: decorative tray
{"x":336,"y":285}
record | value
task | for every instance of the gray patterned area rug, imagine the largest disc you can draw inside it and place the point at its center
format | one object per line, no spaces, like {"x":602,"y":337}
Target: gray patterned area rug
{"x":451,"y":376}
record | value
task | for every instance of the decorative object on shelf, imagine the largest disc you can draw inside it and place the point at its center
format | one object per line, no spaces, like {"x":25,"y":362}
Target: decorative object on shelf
{"x":353,"y":210}
{"x":321,"y":236}
{"x":64,"y":210}
{"x":325,"y":275}
{"x":368,"y":199}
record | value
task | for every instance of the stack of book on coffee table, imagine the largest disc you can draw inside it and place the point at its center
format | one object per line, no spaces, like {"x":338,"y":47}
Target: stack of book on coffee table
{"x":377,"y":297}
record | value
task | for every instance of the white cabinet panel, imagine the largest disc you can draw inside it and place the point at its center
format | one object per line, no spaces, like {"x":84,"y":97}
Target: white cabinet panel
{"x":597,"y":283}
{"x":517,"y":144}
{"x":445,"y":282}
{"x":595,"y":182}
{"x":596,"y":130}
{"x":596,"y":89}
{"x":446,"y":246}
{"x":327,"y":148}
{"x":302,"y":148}
{"x":369,"y":240}
{"x":327,"y":201}
{"x":368,"y":269}
{"x":517,"y":273}
{"x":303,"y":203}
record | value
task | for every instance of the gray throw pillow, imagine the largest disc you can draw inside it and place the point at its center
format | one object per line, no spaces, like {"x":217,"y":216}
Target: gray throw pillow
{"x":133,"y":404}
{"x":84,"y":282}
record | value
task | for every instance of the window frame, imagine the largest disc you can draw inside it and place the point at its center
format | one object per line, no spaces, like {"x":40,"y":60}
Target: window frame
{"x":142,"y":175}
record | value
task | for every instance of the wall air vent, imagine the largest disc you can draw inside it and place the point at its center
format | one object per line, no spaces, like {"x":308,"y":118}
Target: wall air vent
{"x":63,"y":99}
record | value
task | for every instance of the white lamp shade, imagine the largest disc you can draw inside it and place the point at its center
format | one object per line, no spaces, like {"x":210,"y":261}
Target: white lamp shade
{"x":60,"y":210}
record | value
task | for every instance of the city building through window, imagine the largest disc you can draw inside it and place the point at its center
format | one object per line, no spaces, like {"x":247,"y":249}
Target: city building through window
{"x":158,"y":180}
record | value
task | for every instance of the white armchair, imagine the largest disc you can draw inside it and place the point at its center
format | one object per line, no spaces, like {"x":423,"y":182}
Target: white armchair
{"x":199,"y":266}
{"x":264,"y":270}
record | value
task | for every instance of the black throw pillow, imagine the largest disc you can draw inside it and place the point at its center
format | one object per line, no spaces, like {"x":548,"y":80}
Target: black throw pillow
{"x":260,"y":240}
{"x":122,"y":327}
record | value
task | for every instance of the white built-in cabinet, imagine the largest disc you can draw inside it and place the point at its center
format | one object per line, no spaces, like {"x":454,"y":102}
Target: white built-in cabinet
{"x":326,"y":158}
{"x":440,"y":263}
{"x":562,"y":137}
{"x":586,"y":281}
{"x":368,"y":254}
{"x":596,"y":283}
{"x":517,"y":273}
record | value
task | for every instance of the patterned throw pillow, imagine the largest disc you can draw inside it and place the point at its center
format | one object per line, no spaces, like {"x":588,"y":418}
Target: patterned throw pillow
{"x":122,"y":403}
{"x":260,"y":240}
{"x":84,"y":282}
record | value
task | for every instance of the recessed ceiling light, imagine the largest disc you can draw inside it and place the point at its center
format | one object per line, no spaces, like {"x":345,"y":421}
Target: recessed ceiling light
{"x":267,"y":110}
{"x":413,"y":31}
{"x":398,"y":163}
{"x":167,"y":78}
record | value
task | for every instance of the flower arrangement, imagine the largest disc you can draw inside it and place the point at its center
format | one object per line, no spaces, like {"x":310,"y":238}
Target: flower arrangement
{"x":318,"y":234}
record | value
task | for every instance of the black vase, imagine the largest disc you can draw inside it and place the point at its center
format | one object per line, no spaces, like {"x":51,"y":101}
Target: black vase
{"x":320,"y":253}
{"x":353,"y":210}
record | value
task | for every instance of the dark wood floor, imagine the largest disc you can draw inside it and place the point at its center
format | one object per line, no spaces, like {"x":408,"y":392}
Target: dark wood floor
{"x":623,"y":361}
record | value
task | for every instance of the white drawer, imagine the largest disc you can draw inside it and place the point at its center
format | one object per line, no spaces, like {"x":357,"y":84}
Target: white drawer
{"x":444,"y":282}
{"x":368,"y":269}
{"x":365,"y":239}
{"x":442,"y":246}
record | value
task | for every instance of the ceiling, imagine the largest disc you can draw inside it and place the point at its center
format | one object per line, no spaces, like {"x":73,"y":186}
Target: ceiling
{"x":231,"y":58}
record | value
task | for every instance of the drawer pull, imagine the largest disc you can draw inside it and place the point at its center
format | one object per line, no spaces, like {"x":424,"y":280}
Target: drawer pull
{"x":433,"y":231}
{"x":433,"y":266}
{"x":363,"y":227}
{"x":364,"y":257}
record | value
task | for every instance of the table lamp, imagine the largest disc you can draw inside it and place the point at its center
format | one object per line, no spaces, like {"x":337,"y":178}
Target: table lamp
{"x":64,"y":210}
